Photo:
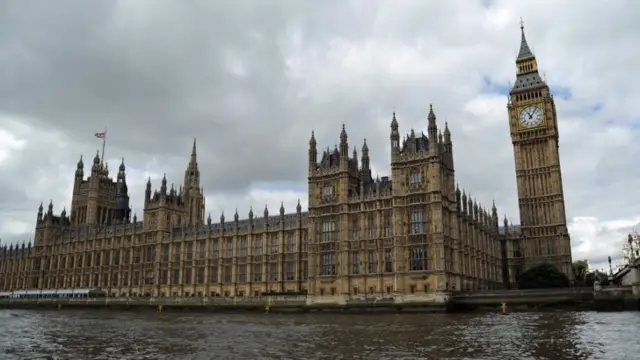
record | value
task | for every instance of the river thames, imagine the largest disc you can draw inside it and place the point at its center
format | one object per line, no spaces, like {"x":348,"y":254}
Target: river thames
{"x":146,"y":335}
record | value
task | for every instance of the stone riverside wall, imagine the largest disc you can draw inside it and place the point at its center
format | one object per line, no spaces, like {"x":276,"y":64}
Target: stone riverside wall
{"x":514,"y":300}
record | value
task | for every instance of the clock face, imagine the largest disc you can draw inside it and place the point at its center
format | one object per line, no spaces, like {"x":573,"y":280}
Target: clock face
{"x":531,"y":117}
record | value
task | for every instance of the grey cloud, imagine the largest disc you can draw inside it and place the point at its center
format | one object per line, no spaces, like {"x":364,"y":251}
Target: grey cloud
{"x":157,"y":86}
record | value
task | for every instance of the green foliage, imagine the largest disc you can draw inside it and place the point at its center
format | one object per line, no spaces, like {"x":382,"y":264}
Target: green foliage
{"x":580,"y":270}
{"x":542,"y":276}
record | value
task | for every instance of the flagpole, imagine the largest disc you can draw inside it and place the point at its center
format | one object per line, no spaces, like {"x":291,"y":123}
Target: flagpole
{"x":104,"y":142}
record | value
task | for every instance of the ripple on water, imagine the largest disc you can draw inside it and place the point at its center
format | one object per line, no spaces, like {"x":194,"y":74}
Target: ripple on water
{"x":130,"y":335}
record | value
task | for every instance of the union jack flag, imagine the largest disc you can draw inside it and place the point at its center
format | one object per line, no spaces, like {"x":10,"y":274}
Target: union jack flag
{"x":101,"y":135}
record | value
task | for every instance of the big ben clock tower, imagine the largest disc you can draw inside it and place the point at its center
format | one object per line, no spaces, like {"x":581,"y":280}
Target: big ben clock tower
{"x":534,"y":132}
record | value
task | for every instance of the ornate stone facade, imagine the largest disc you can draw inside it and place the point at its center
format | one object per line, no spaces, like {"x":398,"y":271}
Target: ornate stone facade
{"x":543,"y":236}
{"x":415,"y":231}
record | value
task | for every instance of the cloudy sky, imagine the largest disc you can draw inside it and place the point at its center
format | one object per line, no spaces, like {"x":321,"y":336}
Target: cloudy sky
{"x":252,"y":79}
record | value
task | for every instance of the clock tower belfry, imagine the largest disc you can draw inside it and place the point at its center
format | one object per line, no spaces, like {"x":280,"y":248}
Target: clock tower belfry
{"x":534,"y":133}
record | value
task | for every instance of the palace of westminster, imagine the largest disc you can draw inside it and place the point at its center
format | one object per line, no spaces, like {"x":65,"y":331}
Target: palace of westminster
{"x":412,"y":232}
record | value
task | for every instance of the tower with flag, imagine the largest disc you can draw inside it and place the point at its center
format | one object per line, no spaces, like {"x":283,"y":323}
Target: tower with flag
{"x":102,"y":135}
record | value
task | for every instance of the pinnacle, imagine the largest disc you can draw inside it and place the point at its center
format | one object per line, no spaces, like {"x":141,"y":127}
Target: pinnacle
{"x":525,"y":52}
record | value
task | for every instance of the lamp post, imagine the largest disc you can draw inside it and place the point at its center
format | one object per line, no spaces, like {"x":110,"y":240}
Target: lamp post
{"x":632,"y":254}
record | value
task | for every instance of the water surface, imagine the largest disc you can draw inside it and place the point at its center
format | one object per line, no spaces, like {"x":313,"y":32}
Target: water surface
{"x":145,"y":335}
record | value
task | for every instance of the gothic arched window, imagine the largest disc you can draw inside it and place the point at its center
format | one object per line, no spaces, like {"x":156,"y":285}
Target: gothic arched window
{"x":415,"y":177}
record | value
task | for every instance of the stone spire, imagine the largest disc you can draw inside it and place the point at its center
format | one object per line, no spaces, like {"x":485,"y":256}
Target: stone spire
{"x":525,"y":52}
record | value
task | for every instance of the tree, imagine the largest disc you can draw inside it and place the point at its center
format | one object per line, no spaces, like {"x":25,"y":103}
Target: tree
{"x":542,"y":276}
{"x":580,"y":270}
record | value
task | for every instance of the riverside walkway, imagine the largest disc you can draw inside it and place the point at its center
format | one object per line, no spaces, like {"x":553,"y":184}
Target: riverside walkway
{"x":429,"y":302}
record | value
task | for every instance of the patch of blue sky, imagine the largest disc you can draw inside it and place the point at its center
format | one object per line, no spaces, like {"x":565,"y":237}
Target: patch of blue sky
{"x":489,"y":86}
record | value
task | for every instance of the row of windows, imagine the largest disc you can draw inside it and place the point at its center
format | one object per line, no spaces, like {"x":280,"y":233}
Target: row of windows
{"x":417,"y":225}
{"x":525,"y":67}
{"x":415,"y":178}
{"x":149,"y":238}
{"x":417,"y":262}
{"x":244,"y":273}
{"x":371,"y":263}
{"x":148,"y":253}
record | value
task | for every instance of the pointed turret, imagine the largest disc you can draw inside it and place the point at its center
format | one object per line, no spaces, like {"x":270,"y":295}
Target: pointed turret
{"x":448,"y":145}
{"x":192,"y":174}
{"x":365,"y":161}
{"x":147,"y":192}
{"x":80,"y":168}
{"x":447,"y":133}
{"x":464,"y":202}
{"x":312,"y":141}
{"x":40,"y":210}
{"x":192,"y":193}
{"x":105,"y":169}
{"x":95,"y":168}
{"x":298,"y":207}
{"x":527,"y":67}
{"x":525,"y":52}
{"x":495,"y":221}
{"x":475,"y":210}
{"x":394,"y":137}
{"x":163,"y":187}
{"x":121,"y":188}
{"x":313,"y":154}
{"x":432,"y":131}
{"x":76,"y":195}
{"x":344,"y":149}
